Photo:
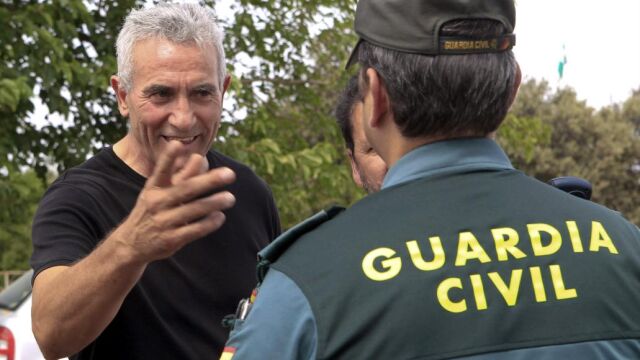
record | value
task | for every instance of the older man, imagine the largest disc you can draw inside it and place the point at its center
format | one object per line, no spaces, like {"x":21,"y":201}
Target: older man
{"x":367,"y":167}
{"x":459,"y":256}
{"x":140,"y":251}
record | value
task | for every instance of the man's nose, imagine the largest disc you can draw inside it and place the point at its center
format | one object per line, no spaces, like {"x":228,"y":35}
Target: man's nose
{"x":182,"y":116}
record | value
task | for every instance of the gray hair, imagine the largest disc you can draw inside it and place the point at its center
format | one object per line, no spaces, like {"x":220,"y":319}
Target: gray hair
{"x":178,"y":23}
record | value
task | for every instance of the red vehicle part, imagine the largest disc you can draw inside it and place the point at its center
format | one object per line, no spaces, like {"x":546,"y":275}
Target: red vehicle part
{"x":7,"y":344}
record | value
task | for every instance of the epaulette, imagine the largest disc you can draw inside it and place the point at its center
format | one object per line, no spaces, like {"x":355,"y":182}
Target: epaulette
{"x":278,"y":246}
{"x":272,"y":252}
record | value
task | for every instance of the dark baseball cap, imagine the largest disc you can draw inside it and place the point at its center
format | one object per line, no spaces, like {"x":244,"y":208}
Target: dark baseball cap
{"x":413,"y":26}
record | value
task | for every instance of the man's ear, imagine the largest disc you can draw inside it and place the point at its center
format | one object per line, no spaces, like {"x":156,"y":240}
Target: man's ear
{"x":378,"y":97}
{"x":516,"y":84}
{"x":121,"y":95}
{"x":225,"y":86}
{"x":355,"y":174}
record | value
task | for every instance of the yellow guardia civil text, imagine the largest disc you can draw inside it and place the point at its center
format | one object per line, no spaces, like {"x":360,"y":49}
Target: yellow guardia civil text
{"x":384,"y":263}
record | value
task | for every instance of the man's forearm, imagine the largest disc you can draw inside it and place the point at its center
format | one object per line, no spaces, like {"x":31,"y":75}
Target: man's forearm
{"x":73,"y":305}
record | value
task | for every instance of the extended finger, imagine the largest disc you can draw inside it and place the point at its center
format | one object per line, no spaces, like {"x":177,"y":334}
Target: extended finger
{"x":197,"y":164}
{"x":198,"y":186}
{"x":195,"y":210}
{"x":198,"y":229}
{"x":163,"y":169}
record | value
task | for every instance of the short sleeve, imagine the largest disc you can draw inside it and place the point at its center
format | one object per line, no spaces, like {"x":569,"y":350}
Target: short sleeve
{"x":280,"y":324}
{"x":63,"y":229}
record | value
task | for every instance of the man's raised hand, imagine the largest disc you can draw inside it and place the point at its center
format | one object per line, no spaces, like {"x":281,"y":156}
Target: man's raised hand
{"x":175,"y":208}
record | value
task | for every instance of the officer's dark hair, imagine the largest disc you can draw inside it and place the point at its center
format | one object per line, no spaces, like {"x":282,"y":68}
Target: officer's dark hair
{"x":446,"y":95}
{"x":344,"y":109}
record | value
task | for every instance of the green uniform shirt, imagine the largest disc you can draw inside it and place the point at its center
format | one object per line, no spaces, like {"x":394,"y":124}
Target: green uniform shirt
{"x":459,"y":255}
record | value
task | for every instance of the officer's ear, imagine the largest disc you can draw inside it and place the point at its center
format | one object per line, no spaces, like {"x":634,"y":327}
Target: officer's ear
{"x":516,"y":84}
{"x":355,"y":174}
{"x":121,"y":95}
{"x":376,"y":96}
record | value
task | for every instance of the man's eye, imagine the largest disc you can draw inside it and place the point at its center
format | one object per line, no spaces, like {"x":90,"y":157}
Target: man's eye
{"x":162,"y":93}
{"x":204,"y":93}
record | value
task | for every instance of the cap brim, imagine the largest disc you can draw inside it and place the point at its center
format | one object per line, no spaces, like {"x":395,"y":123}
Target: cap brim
{"x":353,"y":58}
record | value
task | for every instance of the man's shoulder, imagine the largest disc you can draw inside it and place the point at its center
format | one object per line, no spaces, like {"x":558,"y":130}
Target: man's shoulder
{"x":282,"y":243}
{"x":98,"y":176}
{"x":102,"y":164}
{"x":245,"y":176}
{"x":218,"y":159}
{"x":337,"y":225}
{"x":446,"y":200}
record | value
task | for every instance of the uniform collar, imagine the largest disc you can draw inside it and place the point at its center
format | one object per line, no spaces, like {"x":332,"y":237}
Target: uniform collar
{"x":449,"y":156}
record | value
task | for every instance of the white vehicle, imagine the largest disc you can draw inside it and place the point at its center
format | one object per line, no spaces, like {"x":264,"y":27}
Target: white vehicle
{"x":16,"y":338}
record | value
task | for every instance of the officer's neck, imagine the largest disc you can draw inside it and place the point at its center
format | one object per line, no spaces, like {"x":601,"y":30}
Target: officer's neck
{"x":394,"y":145}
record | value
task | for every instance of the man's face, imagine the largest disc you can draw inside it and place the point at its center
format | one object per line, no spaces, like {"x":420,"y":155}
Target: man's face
{"x":367,"y":167}
{"x":175,"y":95}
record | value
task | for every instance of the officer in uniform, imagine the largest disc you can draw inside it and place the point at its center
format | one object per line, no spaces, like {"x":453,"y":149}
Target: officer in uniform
{"x":459,"y":256}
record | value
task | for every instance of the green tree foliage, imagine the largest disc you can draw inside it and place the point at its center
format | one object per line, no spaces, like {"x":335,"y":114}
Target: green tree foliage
{"x":570,"y":138}
{"x":631,"y":110}
{"x":19,"y":194}
{"x":299,"y":49}
{"x":62,"y":52}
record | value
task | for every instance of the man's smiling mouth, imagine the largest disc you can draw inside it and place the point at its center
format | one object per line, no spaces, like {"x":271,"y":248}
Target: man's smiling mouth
{"x":184,"y":140}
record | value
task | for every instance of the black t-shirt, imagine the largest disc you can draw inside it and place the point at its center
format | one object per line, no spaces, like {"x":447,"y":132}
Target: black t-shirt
{"x":175,"y":310}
